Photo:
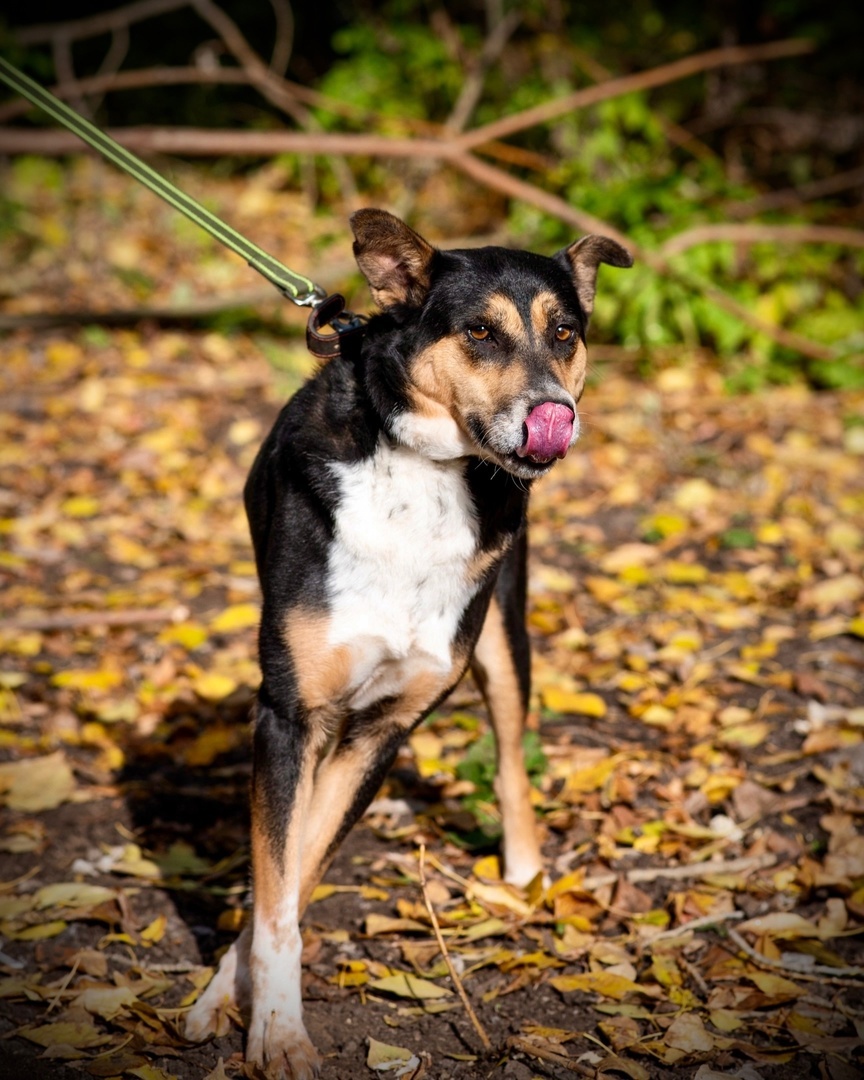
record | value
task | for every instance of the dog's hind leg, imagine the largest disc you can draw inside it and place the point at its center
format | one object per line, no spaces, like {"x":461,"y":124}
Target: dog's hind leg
{"x":501,"y":666}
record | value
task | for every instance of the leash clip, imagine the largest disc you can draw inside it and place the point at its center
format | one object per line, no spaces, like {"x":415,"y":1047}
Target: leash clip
{"x":312,"y":299}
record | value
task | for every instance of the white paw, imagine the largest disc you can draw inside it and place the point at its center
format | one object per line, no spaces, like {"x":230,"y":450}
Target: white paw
{"x":282,"y":1048}
{"x":522,"y":871}
{"x":212,"y":1012}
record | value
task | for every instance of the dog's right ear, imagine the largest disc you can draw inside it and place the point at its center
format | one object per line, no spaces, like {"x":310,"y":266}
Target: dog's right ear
{"x":394,"y":259}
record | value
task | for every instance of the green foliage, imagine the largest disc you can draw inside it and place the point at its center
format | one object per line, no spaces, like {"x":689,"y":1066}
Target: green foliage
{"x":478,"y":767}
{"x":616,"y":161}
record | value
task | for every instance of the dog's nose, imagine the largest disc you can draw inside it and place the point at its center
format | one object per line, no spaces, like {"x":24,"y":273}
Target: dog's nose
{"x":547,"y":430}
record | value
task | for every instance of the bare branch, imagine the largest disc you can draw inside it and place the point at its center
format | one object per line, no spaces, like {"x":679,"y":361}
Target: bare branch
{"x":93,"y":25}
{"x":210,"y":142}
{"x":757,"y":233}
{"x":473,"y":86}
{"x":627,"y":84}
{"x":816,"y":189}
{"x":283,"y":42}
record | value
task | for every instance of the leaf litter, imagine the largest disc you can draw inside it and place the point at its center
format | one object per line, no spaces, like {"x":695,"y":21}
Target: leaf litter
{"x":696,"y":742}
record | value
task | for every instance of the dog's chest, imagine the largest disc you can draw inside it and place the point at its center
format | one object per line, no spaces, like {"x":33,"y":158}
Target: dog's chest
{"x":400,"y":568}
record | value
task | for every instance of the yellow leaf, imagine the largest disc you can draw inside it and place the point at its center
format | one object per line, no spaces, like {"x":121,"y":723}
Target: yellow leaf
{"x":774,"y":985}
{"x":681,"y":573}
{"x":36,"y":784}
{"x":781,"y":924}
{"x":150,"y":1072}
{"x":599,"y":982}
{"x":592,"y":779}
{"x":725,"y":1020}
{"x":71,"y":894}
{"x":395,"y":1061}
{"x":403,"y":984}
{"x":155,"y":930}
{"x":656,"y":715}
{"x":499,"y":896}
{"x":856,"y":626}
{"x":385,"y":924}
{"x":213,"y":741}
{"x":244,"y":431}
{"x":132,"y":862}
{"x":553,"y":579}
{"x":214,"y":687}
{"x":236,"y":617}
{"x":39,"y":932}
{"x":188,"y":634}
{"x":665,"y":970}
{"x":106,"y":1002}
{"x":87,"y":679}
{"x":688,"y":1033}
{"x":665,"y":524}
{"x":569,"y":701}
{"x":232,"y":920}
{"x":80,"y":506}
{"x":69,"y":1033}
{"x":695,"y":494}
{"x":745,"y":735}
{"x":488,"y":867}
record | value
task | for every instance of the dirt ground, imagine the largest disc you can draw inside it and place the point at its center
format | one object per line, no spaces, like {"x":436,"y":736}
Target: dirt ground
{"x":699,"y":683}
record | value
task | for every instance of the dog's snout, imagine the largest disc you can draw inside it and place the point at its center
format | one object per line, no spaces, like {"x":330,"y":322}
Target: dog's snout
{"x":547,"y":432}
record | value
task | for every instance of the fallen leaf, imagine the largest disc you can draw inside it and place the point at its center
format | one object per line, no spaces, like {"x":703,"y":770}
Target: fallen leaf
{"x":35,"y":784}
{"x":403,"y":984}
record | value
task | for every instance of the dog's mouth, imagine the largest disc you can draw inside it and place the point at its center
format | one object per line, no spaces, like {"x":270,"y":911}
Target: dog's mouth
{"x":547,"y":432}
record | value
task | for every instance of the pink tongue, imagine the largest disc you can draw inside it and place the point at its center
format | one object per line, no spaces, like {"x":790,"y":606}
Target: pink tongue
{"x":550,"y":427}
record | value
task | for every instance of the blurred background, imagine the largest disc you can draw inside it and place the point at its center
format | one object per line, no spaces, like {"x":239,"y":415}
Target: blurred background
{"x":731,"y":160}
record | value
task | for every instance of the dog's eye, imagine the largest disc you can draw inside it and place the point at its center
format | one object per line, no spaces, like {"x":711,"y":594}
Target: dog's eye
{"x":479,"y":333}
{"x":563,"y":332}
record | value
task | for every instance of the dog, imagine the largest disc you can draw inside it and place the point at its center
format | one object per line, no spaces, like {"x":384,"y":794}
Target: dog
{"x":387,"y":509}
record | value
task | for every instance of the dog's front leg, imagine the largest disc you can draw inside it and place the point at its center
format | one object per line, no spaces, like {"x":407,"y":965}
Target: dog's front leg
{"x":285,"y":755}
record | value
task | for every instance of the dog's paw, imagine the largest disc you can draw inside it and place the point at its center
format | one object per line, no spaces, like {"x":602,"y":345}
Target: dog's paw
{"x":211,"y":1013}
{"x":283,"y":1049}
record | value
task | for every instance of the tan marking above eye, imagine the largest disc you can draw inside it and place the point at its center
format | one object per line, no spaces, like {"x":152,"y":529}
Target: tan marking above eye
{"x":502,"y":314}
{"x":563,"y":332}
{"x":479,"y":333}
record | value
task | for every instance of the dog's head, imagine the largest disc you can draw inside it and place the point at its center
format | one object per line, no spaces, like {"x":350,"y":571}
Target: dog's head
{"x":491,"y":341}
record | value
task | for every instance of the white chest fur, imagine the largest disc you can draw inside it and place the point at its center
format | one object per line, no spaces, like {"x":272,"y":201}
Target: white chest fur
{"x":398,"y":572}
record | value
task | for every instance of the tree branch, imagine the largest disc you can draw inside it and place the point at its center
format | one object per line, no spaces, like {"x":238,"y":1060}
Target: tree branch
{"x":94,"y":25}
{"x":627,"y":84}
{"x":757,"y":233}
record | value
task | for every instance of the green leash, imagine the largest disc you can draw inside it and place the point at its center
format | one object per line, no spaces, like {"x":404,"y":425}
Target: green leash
{"x":292,"y":285}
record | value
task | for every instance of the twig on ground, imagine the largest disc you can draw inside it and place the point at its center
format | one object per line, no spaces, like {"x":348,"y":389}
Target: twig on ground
{"x":820,"y":971}
{"x":64,"y":986}
{"x":696,"y":975}
{"x":457,"y":982}
{"x":82,"y":620}
{"x":696,"y":924}
{"x":683,"y":873}
{"x":526,"y":1046}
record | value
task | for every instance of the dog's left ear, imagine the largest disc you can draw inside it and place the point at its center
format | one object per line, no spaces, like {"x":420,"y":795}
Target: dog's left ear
{"x":394,"y":259}
{"x":583,"y":258}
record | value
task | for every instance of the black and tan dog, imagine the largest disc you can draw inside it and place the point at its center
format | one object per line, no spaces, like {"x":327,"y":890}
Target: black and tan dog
{"x":387,"y":510}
